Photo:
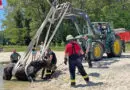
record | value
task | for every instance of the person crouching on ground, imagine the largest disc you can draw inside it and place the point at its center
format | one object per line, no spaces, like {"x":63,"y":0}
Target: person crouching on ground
{"x":52,"y":61}
{"x":73,"y":54}
{"x":14,"y":57}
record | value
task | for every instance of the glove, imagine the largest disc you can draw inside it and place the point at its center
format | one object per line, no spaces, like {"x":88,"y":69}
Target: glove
{"x":65,"y":61}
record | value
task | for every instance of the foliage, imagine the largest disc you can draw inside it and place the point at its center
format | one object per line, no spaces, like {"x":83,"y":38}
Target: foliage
{"x":24,"y":17}
{"x":127,"y":47}
{"x":1,"y":37}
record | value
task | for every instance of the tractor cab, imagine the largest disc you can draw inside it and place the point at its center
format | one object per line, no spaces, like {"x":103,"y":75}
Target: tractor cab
{"x":102,"y":29}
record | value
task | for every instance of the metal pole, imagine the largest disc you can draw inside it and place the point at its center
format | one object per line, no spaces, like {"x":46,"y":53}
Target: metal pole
{"x":34,"y":40}
{"x":67,"y":7}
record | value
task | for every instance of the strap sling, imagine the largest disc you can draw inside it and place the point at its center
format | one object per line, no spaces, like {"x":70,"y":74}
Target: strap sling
{"x":73,"y":49}
{"x":74,"y":54}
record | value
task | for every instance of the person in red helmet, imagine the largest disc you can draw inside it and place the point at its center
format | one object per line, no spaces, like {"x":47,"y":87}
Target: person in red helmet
{"x":14,"y":57}
{"x":73,"y":54}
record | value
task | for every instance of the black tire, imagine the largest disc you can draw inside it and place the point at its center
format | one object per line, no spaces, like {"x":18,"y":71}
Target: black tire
{"x":116,"y":48}
{"x":97,"y":51}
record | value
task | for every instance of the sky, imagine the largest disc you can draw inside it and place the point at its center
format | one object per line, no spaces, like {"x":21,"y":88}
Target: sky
{"x":2,"y":13}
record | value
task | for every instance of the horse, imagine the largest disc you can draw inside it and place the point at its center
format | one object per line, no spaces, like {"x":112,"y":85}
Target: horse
{"x":20,"y":74}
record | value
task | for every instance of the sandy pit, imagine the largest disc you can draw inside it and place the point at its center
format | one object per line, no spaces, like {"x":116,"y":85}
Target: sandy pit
{"x":107,"y":74}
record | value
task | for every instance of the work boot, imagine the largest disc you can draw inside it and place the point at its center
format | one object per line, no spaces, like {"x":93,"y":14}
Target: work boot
{"x":52,"y":73}
{"x":87,"y":79}
{"x":90,"y":65}
{"x":47,"y":77}
{"x":72,"y":84}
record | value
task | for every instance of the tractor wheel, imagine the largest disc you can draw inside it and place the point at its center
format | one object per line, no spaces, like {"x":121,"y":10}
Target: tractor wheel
{"x":97,"y":51}
{"x":116,"y":48}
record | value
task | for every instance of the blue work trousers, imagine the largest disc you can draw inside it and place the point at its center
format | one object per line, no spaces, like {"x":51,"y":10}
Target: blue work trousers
{"x":73,"y":63}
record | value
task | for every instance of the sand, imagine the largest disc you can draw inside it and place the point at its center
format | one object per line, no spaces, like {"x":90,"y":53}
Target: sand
{"x":107,"y":74}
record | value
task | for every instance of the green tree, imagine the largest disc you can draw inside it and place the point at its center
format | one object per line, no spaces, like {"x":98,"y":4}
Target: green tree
{"x":24,"y":17}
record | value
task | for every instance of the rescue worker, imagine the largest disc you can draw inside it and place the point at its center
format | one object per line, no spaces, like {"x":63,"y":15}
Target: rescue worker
{"x":99,"y":27}
{"x":52,"y":61}
{"x":14,"y":57}
{"x":89,"y":51}
{"x":73,"y":54}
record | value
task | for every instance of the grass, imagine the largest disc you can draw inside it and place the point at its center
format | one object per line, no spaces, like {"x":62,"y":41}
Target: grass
{"x":55,"y":48}
{"x":10,"y":48}
{"x":58,"y":48}
{"x":128,"y":47}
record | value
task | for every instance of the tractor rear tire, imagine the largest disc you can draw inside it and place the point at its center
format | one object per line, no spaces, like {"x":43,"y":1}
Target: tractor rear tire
{"x":97,"y":51}
{"x":116,"y":48}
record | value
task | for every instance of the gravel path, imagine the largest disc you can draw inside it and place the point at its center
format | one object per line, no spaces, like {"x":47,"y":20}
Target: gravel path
{"x":107,"y":74}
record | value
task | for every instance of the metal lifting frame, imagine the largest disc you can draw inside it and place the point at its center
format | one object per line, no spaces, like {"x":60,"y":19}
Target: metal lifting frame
{"x":55,"y":16}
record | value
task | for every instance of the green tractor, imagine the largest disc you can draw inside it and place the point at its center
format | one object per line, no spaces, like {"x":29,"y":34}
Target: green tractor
{"x":103,"y":41}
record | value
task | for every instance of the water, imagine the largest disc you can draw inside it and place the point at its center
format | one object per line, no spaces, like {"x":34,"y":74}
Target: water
{"x":12,"y":84}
